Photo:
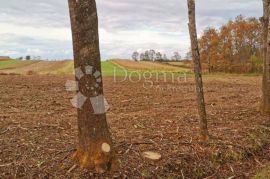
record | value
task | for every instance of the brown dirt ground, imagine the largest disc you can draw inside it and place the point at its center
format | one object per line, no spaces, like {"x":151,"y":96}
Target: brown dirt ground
{"x":38,"y":130}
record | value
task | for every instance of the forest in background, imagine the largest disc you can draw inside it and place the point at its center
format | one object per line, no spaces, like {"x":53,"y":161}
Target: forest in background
{"x":234,"y":48}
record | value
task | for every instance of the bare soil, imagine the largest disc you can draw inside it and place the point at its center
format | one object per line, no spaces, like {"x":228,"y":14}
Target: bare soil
{"x":38,"y":131}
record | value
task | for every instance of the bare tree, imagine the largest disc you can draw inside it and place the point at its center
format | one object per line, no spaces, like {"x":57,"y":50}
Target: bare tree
{"x":176,"y":56}
{"x":158,"y":56}
{"x":152,"y":55}
{"x":197,"y":69}
{"x":95,"y":148}
{"x":188,"y":55}
{"x":265,"y":107}
{"x":147,"y":55}
{"x":165,"y":58}
{"x":28,"y":57}
{"x":142,"y":56}
{"x":135,"y":56}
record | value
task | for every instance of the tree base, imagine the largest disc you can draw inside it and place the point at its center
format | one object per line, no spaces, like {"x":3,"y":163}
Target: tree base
{"x":204,"y":136}
{"x":265,"y":111}
{"x":99,"y":161}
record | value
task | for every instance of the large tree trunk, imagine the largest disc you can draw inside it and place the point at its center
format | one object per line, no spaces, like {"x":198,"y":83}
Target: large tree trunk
{"x":265,"y":107}
{"x":95,"y":149}
{"x":197,"y":70}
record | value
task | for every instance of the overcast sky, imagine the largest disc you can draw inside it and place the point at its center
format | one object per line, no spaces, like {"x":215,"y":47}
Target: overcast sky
{"x":42,"y":27}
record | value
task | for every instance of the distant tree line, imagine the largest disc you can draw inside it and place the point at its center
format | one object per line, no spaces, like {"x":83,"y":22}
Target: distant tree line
{"x":235,"y":47}
{"x":28,"y":57}
{"x":152,"y":55}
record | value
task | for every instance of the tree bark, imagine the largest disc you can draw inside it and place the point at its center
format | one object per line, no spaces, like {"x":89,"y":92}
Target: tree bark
{"x":95,"y":148}
{"x":265,"y":107}
{"x":197,"y":70}
{"x":209,"y":60}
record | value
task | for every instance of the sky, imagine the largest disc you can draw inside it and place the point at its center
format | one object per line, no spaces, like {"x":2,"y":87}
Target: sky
{"x":42,"y":27}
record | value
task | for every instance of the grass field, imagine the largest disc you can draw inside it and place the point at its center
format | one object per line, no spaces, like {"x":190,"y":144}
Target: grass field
{"x":150,"y":66}
{"x":52,"y":67}
{"x":11,"y":64}
{"x":180,"y":64}
{"x":109,"y":68}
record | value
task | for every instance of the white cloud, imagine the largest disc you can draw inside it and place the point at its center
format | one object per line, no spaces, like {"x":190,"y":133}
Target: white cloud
{"x":53,"y":33}
{"x":43,"y":28}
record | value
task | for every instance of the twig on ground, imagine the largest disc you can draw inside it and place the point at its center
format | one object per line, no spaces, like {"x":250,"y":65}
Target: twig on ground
{"x":141,"y":143}
{"x":72,"y":168}
{"x":3,"y":132}
{"x":7,"y":164}
{"x":129,"y":148}
{"x":49,"y":125}
{"x":183,"y":176}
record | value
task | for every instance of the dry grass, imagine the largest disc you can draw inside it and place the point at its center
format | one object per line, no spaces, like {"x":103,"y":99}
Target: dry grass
{"x":31,"y":67}
{"x":148,"y":66}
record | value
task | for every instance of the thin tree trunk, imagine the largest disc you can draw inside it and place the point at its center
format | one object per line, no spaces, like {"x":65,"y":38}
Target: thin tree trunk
{"x":197,"y":70}
{"x":95,"y":148}
{"x":209,"y":60}
{"x":265,"y":107}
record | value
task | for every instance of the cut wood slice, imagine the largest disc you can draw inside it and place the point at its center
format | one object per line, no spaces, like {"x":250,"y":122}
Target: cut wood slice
{"x":151,"y":155}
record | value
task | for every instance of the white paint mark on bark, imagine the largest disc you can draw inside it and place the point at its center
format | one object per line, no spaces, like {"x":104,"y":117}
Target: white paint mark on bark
{"x":78,"y":100}
{"x":98,"y":104}
{"x":97,"y":74}
{"x":79,"y":73}
{"x":88,"y":70}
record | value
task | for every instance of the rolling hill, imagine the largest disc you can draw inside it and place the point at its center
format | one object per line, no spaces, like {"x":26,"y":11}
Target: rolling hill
{"x":109,"y":68}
